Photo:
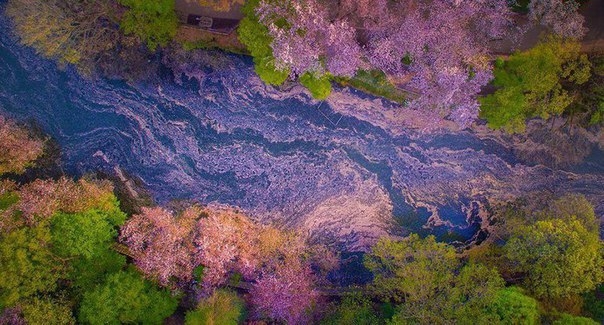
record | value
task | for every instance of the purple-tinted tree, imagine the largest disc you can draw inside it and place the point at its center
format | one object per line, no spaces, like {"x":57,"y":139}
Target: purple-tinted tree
{"x":439,"y":47}
{"x":163,"y":244}
{"x":18,"y":148}
{"x":287,"y":294}
{"x":561,"y":16}
{"x":303,"y":35}
{"x":442,"y":47}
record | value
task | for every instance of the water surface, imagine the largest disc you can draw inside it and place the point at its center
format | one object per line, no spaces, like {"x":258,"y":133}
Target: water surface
{"x":278,"y":155}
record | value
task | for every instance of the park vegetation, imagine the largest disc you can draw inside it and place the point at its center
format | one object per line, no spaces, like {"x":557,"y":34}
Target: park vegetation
{"x":70,"y":254}
{"x":530,"y":83}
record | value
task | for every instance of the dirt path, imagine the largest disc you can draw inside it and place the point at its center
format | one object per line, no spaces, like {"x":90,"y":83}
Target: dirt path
{"x":593,"y":11}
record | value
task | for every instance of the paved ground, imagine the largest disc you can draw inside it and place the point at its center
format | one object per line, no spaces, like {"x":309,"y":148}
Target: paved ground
{"x":594,"y":20}
{"x":193,"y":7}
{"x":593,"y":12}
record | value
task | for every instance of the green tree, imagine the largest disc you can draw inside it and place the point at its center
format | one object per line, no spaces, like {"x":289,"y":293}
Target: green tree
{"x":154,"y":22}
{"x":427,"y":279}
{"x":571,"y":207}
{"x":353,"y":310}
{"x":513,"y":307}
{"x":126,"y":297}
{"x":28,"y":265}
{"x":593,"y":303}
{"x":87,"y":273}
{"x":255,"y":37}
{"x":222,"y":307}
{"x":84,"y":234}
{"x":559,"y":257}
{"x":475,"y":288}
{"x":85,"y":239}
{"x":567,"y":319}
{"x":46,"y":311}
{"x":464,"y":301}
{"x":530,"y":84}
{"x":590,"y":103}
{"x":412,"y":269}
{"x":76,"y":32}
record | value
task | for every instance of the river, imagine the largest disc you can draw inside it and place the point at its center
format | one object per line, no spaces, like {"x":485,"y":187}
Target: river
{"x":346,"y":170}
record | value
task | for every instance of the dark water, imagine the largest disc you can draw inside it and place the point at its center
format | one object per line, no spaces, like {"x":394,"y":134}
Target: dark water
{"x":278,"y":155}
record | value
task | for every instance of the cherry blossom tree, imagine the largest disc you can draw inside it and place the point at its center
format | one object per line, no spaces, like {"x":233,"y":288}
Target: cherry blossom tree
{"x":439,"y":47}
{"x":287,"y":294}
{"x":230,"y":242}
{"x":40,"y":199}
{"x":18,"y":148}
{"x":561,"y":16}
{"x":163,"y":244}
{"x":303,"y":34}
{"x":224,"y":241}
{"x":12,"y":316}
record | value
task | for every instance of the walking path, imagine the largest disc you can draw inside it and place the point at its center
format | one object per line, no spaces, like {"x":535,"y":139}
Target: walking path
{"x":593,"y":11}
{"x":593,"y":42}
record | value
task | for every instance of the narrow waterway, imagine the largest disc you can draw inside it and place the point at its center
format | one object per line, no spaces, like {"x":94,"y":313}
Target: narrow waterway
{"x":279,"y":155}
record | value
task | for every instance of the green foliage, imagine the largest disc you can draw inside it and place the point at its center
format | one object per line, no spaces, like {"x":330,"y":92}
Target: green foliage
{"x":319,"y":86}
{"x":590,"y":100}
{"x":425,"y":276}
{"x":46,"y":311}
{"x":505,"y":109}
{"x":571,"y":207}
{"x":85,"y":234}
{"x":28,"y":266}
{"x":87,"y":273}
{"x":374,"y":82}
{"x":126,"y":297}
{"x":413,"y":269}
{"x":593,"y":303}
{"x":475,"y":288}
{"x":86,"y":238}
{"x":559,"y":257}
{"x":8,"y":199}
{"x":353,"y":310}
{"x":513,"y":307}
{"x":108,"y":206}
{"x":222,"y":307}
{"x":530,"y":84}
{"x":255,"y":37}
{"x":154,"y":22}
{"x":567,"y":319}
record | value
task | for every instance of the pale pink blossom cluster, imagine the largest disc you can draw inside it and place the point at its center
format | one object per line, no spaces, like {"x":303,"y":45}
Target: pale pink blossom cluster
{"x":163,"y":245}
{"x":40,"y":199}
{"x":561,"y":16}
{"x":304,"y":35}
{"x":168,"y":247}
{"x":288,"y":294}
{"x":18,"y":148}
{"x":440,"y":46}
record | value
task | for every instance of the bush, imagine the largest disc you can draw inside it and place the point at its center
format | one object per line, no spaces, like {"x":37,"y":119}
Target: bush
{"x":222,"y":307}
{"x":154,"y":22}
{"x":319,"y":87}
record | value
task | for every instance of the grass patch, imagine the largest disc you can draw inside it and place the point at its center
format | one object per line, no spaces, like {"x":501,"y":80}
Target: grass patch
{"x":374,"y":82}
{"x":211,"y":44}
